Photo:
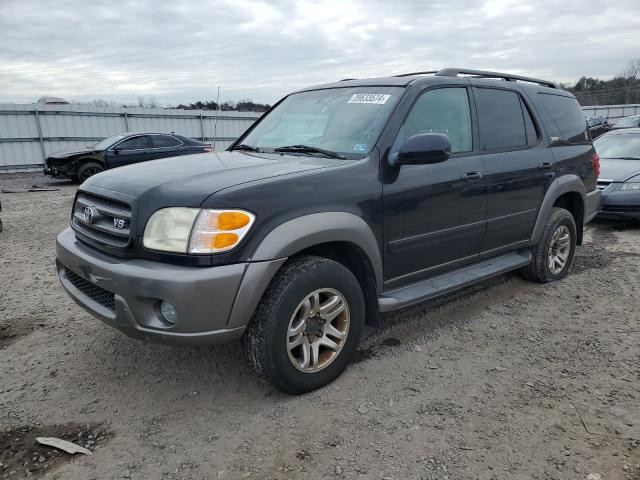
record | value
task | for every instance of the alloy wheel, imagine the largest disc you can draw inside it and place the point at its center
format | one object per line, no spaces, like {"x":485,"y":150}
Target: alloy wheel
{"x":559,"y":249}
{"x":318,"y":330}
{"x":89,"y":172}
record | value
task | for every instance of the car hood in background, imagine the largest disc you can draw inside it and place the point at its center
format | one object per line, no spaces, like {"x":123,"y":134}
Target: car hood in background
{"x":618,"y":170}
{"x":190,"y":179}
{"x":71,"y":153}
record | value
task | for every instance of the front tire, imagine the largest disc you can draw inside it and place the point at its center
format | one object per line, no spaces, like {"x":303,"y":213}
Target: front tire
{"x":307,"y":326}
{"x":88,"y":169}
{"x":553,"y":256}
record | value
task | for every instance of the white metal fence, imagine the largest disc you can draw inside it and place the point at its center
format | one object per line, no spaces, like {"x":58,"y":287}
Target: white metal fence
{"x":28,"y":133}
{"x":612,"y":113}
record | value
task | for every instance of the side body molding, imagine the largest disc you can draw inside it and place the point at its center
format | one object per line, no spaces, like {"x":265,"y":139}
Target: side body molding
{"x":564,"y":184}
{"x":291,"y":237}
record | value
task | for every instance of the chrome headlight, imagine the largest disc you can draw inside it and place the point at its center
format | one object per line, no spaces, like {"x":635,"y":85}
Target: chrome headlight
{"x":191,"y":230}
{"x":630,"y":186}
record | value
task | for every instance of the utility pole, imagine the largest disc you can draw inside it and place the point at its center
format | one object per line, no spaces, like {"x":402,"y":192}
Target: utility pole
{"x":215,"y":122}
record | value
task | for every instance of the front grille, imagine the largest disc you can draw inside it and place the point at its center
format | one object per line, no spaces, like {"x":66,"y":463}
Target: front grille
{"x":621,"y":208}
{"x":102,"y":219}
{"x":604,"y":183}
{"x":94,"y":292}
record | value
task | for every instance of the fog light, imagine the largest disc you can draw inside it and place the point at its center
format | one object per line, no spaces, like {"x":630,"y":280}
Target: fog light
{"x":168,"y":312}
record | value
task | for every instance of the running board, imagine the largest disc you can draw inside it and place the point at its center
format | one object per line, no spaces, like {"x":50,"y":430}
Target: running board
{"x":452,"y":281}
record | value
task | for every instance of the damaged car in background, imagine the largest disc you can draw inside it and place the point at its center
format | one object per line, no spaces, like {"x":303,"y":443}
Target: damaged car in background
{"x":117,"y":151}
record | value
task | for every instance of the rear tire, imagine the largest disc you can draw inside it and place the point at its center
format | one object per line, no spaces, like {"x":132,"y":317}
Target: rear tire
{"x":88,"y":170}
{"x":307,"y":326}
{"x":553,"y":255}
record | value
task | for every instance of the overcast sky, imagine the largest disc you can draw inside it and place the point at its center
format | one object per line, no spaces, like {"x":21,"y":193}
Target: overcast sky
{"x":181,"y":51}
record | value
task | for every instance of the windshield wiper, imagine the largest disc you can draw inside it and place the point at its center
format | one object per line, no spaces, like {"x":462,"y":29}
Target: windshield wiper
{"x":623,"y":158}
{"x":309,"y":149}
{"x":246,"y":147}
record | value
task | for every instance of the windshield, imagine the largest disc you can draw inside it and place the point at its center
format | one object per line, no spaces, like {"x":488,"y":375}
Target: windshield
{"x":347,"y":121}
{"x":618,"y":146}
{"x":107,"y":142}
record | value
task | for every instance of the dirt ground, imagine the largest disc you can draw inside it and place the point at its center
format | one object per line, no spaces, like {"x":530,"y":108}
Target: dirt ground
{"x":507,"y":379}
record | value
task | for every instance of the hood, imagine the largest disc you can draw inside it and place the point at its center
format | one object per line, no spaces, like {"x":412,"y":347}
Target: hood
{"x":188,"y":180}
{"x":71,"y":153}
{"x":618,"y":170}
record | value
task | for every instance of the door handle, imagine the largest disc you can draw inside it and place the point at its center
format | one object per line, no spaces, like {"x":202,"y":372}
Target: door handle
{"x":471,"y":176}
{"x":545,"y":165}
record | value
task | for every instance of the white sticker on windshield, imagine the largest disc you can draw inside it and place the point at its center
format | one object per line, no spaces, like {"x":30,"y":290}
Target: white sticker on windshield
{"x":375,"y":98}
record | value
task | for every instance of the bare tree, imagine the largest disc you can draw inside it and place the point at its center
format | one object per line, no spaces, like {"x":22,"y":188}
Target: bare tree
{"x":150,"y":102}
{"x":631,"y":77}
{"x":99,"y":102}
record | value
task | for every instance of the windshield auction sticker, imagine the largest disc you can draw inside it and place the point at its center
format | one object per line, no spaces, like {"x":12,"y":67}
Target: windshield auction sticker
{"x":375,"y":98}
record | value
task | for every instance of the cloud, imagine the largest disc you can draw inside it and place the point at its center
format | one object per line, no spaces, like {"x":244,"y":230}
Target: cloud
{"x":182,"y":51}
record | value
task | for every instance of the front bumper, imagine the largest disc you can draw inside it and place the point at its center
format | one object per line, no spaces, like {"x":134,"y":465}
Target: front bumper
{"x":55,"y":171}
{"x":126,"y":294}
{"x":619,"y":204}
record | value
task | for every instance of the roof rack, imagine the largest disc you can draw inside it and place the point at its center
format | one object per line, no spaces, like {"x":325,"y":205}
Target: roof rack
{"x":428,"y":72}
{"x":454,"y":72}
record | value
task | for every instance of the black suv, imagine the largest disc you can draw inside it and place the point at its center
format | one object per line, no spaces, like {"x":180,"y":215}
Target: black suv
{"x":343,"y":201}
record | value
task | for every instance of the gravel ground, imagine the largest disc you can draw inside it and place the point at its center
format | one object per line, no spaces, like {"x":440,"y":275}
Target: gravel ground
{"x":507,"y":379}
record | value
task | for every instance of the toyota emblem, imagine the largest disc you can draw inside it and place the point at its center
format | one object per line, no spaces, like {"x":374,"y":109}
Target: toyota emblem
{"x":90,"y":214}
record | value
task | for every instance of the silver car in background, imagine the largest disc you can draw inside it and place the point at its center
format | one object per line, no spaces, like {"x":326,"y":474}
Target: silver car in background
{"x":619,"y":180}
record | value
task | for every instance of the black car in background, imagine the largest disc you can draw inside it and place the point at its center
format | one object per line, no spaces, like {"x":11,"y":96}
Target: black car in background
{"x":119,"y":150}
{"x":632,"y":121}
{"x":619,"y":180}
{"x":598,"y":126}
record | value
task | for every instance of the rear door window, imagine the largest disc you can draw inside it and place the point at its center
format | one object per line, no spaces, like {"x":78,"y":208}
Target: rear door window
{"x":502,"y":119}
{"x":134,"y":143}
{"x":443,"y":110}
{"x":161,"y":141}
{"x":566,"y":116}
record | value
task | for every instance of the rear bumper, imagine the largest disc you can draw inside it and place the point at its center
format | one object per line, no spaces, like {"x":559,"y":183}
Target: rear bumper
{"x":126,"y":294}
{"x":591,"y":201}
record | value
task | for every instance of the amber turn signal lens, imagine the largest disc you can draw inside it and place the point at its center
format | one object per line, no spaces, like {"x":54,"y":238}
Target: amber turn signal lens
{"x":232,"y":220}
{"x":219,"y":230}
{"x":224,"y":240}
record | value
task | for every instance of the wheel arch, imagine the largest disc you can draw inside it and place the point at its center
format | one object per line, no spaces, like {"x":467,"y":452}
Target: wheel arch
{"x":354,"y":258}
{"x":99,"y":161}
{"x":565,"y":192}
{"x":340,"y":236}
{"x":308,"y":231}
{"x":572,"y":202}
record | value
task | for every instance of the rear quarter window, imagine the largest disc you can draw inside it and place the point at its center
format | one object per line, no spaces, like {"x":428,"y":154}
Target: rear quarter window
{"x":162,"y":141}
{"x":565,"y":117}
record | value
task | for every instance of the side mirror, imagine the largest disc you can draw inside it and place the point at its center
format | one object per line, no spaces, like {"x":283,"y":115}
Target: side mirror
{"x":117,"y":149}
{"x":423,"y":148}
